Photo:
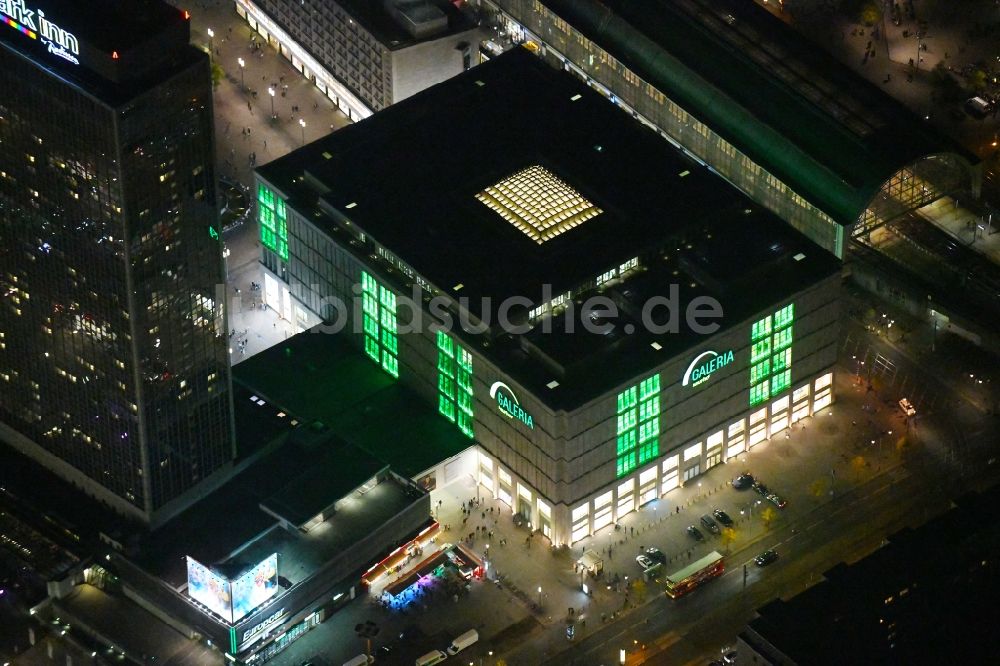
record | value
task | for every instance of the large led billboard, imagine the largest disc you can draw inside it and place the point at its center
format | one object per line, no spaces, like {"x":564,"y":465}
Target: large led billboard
{"x":210,"y":589}
{"x":255,"y":587}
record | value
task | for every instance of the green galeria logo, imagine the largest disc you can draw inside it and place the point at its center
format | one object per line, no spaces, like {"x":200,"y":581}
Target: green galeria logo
{"x":704,"y":365}
{"x":508,"y":404}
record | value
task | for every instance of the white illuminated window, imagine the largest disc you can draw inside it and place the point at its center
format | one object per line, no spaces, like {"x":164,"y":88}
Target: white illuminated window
{"x":670,"y":463}
{"x":736,"y":428}
{"x":626,"y":487}
{"x":758,"y":416}
{"x":714,"y":440}
{"x":538,"y":203}
{"x":825,"y":380}
{"x":546,"y":511}
{"x":485,"y":461}
{"x":647,"y":476}
{"x":523,"y":492}
{"x":504,"y":477}
{"x":779,"y":405}
{"x":800,"y":393}
{"x":692,"y":452}
{"x":602,"y":500}
{"x":580,"y":512}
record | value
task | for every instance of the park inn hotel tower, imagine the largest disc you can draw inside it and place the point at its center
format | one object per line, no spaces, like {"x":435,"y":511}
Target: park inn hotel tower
{"x":516,"y":180}
{"x":114,"y":369}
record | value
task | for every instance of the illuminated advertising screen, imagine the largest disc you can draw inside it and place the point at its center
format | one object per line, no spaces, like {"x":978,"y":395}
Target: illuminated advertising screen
{"x":210,"y":589}
{"x":255,"y":587}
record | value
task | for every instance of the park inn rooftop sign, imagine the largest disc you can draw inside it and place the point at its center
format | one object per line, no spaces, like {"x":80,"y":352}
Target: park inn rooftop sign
{"x":704,"y":365}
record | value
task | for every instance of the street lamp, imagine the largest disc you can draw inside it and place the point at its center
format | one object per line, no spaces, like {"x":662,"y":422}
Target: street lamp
{"x":211,"y":35}
{"x":539,"y":595}
{"x":302,"y":124}
{"x":243,"y":64}
{"x":270,"y":91}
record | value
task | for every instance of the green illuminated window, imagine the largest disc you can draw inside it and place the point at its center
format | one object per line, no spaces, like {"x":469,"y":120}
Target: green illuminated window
{"x":648,"y":452}
{"x":760,"y":371}
{"x":784,"y":316}
{"x":760,"y":350}
{"x":455,"y":383}
{"x":626,"y":442}
{"x":626,"y":464}
{"x":638,"y":425}
{"x":273,"y":221}
{"x":378,"y":316}
{"x":771,"y":355}
{"x":649,"y":408}
{"x":759,"y":393}
{"x":783,"y":338}
{"x":783,"y":360}
{"x":780,"y":382}
{"x":649,"y":387}
{"x":760,"y":329}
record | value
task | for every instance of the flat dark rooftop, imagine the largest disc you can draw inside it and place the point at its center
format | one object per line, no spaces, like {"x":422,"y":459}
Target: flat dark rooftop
{"x":941,"y":584}
{"x":332,"y":474}
{"x":390,"y":34}
{"x":110,"y":24}
{"x":440,"y":148}
{"x":125,"y":47}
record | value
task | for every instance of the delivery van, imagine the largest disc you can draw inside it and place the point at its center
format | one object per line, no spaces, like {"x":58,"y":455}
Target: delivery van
{"x":463,"y":641}
{"x":431,"y":658}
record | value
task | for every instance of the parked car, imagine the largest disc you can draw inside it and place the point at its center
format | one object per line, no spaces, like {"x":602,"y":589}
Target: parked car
{"x":656,"y":555}
{"x":709,"y":524}
{"x":907,"y":408}
{"x":765,"y":558}
{"x":777,"y":500}
{"x":723,"y":517}
{"x":695,"y":533}
{"x":761,"y":489}
{"x":743,"y":481}
{"x":644,"y":561}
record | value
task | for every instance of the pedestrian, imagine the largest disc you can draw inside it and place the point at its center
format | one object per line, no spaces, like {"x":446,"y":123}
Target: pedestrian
{"x":265,"y":144}
{"x":248,"y":106}
{"x":484,"y":515}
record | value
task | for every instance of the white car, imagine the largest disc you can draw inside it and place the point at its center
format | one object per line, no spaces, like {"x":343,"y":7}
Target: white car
{"x":644,"y":561}
{"x":907,"y":408}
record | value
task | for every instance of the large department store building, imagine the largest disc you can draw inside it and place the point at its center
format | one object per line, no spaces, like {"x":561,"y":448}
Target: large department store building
{"x":517,"y":181}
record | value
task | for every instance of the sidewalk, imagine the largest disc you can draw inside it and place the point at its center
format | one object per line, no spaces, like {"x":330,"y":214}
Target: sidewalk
{"x":268,"y":139}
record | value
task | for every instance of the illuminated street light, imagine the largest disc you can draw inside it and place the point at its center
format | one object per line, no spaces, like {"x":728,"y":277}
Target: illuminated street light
{"x":243,"y":64}
{"x":270,"y":91}
{"x":302,"y":124}
{"x":539,"y":595}
{"x":621,"y":656}
{"x":211,"y":35}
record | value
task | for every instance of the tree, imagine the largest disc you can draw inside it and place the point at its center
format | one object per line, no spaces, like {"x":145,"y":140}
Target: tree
{"x":728,"y":537}
{"x":818,"y":488}
{"x":217,"y":74}
{"x":768,"y":515}
{"x":870,"y":13}
{"x":639,"y":587}
{"x":858,"y":464}
{"x":866,"y":12}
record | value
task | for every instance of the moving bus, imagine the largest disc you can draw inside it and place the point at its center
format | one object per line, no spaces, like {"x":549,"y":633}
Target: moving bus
{"x":693,"y":575}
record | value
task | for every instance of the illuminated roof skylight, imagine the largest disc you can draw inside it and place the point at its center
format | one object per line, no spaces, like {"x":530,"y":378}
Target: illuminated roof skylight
{"x":538,"y":203}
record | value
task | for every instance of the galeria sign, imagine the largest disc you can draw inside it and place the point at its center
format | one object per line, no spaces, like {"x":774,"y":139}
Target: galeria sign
{"x":704,"y":365}
{"x":32,"y":22}
{"x":508,"y":404}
